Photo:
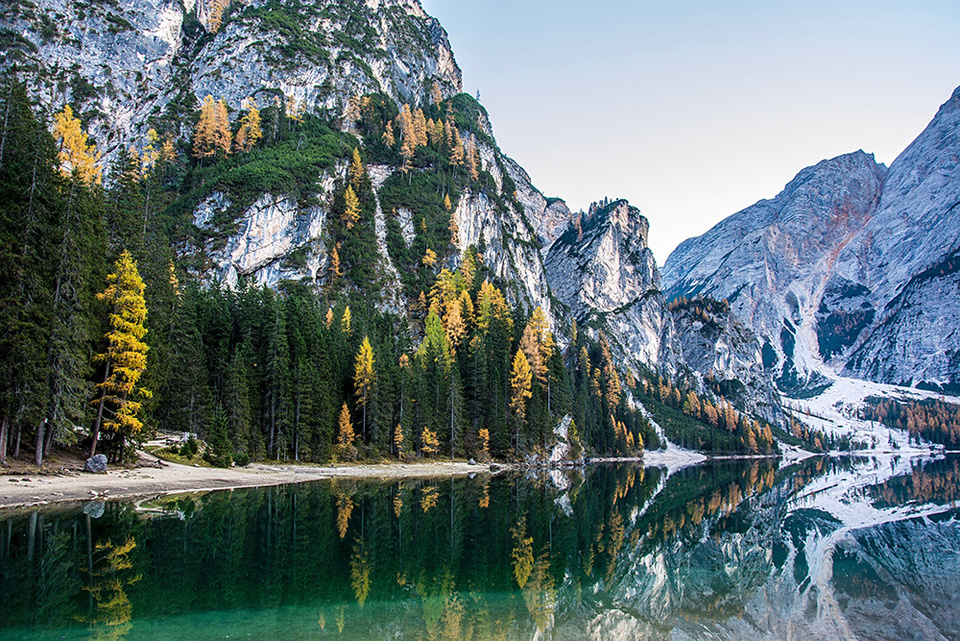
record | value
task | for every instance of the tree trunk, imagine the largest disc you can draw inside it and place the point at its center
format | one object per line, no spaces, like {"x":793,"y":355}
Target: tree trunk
{"x":49,"y":442}
{"x":6,"y":117}
{"x":38,"y":450}
{"x":95,"y":434}
{"x":16,"y":442}
{"x":3,"y":442}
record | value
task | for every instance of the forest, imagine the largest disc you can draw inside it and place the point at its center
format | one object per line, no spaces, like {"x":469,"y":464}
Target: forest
{"x":110,"y":334}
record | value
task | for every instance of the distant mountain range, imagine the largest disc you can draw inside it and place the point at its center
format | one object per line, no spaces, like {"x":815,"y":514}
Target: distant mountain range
{"x":851,"y":269}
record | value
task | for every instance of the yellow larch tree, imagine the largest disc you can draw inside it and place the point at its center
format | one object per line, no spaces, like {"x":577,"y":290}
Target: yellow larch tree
{"x":294,"y":110}
{"x":126,"y":356}
{"x":357,"y":172}
{"x":429,"y":258}
{"x":521,"y":378}
{"x":334,"y":271}
{"x":429,"y":443}
{"x":249,"y":133}
{"x":345,"y":433}
{"x":77,"y":155}
{"x":345,"y":320}
{"x":351,"y":209}
{"x":472,"y":161}
{"x":456,"y":148}
{"x":212,"y":134}
{"x":216,"y":10}
{"x":352,"y":113}
{"x":387,"y":136}
{"x":420,"y":128}
{"x":364,"y":377}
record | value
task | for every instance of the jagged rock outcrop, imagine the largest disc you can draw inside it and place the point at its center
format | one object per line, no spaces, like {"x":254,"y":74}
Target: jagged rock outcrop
{"x":601,"y":268}
{"x":852,"y":268}
{"x":720,"y":349}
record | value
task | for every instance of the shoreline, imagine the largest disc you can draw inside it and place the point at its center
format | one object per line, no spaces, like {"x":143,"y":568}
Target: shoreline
{"x":73,"y":486}
{"x":36,"y":490}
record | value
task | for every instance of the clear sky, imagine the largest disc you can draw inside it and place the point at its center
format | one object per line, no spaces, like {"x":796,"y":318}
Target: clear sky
{"x":694,"y":110}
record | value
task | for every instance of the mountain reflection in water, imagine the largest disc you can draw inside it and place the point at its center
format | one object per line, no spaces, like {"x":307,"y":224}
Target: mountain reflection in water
{"x":828,"y":548}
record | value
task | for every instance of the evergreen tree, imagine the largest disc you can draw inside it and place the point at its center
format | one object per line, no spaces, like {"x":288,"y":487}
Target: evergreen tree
{"x":29,"y":191}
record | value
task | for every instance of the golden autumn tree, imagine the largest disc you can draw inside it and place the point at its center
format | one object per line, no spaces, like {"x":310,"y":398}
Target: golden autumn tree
{"x":212,"y":135}
{"x":249,"y":133}
{"x":351,"y":209}
{"x":429,"y":258}
{"x":420,"y":128}
{"x":294,"y":110}
{"x":215,"y":17}
{"x":345,"y":433}
{"x":357,"y":172}
{"x":473,"y":162}
{"x":364,"y":377}
{"x":334,"y":271}
{"x":345,"y":320}
{"x":521,"y":378}
{"x":126,"y":356}
{"x":77,"y":155}
{"x":456,"y":146}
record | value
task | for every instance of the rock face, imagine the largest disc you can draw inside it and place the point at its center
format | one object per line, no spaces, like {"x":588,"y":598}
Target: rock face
{"x":772,"y":261}
{"x":908,"y":257}
{"x":601,"y":268}
{"x":131,"y":62}
{"x":852,"y":268}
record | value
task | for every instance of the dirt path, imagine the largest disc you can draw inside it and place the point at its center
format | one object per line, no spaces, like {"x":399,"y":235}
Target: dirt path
{"x":32,"y":490}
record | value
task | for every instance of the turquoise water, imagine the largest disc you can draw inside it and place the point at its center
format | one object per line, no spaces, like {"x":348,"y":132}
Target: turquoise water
{"x":824,"y":549}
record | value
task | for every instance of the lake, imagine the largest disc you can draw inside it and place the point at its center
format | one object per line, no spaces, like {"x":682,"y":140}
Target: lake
{"x":851,"y":548}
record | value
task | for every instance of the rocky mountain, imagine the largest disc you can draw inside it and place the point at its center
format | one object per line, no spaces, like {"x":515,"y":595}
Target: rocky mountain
{"x":602,"y":270}
{"x":137,"y":66}
{"x":126,"y":64}
{"x":851,"y":268}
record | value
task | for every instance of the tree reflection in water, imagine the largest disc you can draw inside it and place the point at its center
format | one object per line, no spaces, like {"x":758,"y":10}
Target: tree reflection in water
{"x":491,"y":557}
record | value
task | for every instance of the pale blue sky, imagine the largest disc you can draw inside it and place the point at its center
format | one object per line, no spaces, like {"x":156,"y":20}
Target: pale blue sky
{"x":694,"y":110}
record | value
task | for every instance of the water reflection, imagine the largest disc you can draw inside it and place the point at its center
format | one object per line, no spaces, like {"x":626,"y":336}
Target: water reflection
{"x":725,"y":550}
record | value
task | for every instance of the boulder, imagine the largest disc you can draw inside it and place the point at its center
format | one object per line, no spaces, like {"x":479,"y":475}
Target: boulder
{"x":96,"y":464}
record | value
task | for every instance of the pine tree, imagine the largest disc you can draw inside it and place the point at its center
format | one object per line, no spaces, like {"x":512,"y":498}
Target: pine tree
{"x":364,"y":377}
{"x":126,"y":356}
{"x":29,"y":221}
